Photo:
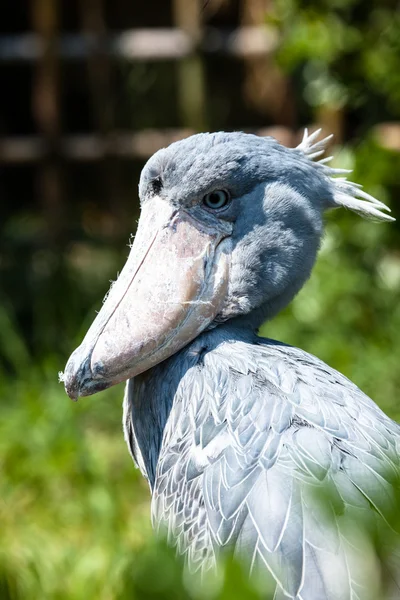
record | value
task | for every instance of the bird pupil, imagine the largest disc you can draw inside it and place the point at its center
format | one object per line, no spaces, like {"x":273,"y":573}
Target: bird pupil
{"x":216,"y":199}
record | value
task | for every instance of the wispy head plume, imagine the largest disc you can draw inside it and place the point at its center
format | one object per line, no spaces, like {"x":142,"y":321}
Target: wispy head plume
{"x":345,"y":193}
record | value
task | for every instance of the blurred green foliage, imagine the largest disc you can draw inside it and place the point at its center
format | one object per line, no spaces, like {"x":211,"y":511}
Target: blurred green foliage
{"x":74,"y":513}
{"x":346,"y":53}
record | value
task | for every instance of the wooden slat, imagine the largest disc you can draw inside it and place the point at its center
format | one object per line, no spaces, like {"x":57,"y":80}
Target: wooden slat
{"x":91,"y":147}
{"x":143,"y":44}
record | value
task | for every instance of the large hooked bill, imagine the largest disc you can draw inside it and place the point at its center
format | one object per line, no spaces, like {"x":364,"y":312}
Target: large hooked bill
{"x":171,"y":288}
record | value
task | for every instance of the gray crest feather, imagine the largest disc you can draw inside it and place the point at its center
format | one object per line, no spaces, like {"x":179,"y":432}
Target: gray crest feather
{"x":346,"y":194}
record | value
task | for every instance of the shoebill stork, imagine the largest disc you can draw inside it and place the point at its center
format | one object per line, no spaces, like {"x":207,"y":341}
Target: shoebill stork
{"x":235,"y":432}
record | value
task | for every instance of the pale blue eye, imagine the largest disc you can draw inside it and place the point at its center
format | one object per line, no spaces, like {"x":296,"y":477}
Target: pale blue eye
{"x":217,"y":199}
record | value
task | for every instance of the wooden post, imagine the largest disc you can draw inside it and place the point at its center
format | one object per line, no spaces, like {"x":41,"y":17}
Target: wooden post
{"x":45,"y":107}
{"x":99,"y":69}
{"x":331,"y":119}
{"x":265,"y":87}
{"x":191,"y":78}
{"x":102,"y":102}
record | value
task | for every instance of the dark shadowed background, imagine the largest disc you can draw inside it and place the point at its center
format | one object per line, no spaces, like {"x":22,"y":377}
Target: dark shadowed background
{"x":89,"y":89}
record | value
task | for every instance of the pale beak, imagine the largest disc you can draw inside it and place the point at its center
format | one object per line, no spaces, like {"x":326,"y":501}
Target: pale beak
{"x":171,"y":288}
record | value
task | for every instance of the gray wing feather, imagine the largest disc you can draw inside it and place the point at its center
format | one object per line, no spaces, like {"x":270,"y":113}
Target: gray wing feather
{"x":262,"y":429}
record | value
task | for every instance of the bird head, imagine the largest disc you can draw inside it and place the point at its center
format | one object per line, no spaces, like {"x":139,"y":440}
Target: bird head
{"x":230,"y":227}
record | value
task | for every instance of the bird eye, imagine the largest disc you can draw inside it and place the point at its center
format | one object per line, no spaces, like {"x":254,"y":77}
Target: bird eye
{"x":217,"y":199}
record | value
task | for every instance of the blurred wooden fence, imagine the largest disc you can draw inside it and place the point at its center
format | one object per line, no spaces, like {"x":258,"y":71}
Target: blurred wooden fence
{"x":45,"y":49}
{"x":188,"y":42}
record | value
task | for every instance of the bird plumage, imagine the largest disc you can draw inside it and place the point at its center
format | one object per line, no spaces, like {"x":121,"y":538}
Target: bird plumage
{"x":238,"y":436}
{"x":254,"y":428}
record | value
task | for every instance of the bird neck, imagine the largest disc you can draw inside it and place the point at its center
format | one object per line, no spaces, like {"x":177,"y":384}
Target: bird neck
{"x":152,"y":398}
{"x":149,"y":399}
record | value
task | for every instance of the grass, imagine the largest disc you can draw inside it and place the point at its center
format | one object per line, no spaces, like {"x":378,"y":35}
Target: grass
{"x":72,"y":505}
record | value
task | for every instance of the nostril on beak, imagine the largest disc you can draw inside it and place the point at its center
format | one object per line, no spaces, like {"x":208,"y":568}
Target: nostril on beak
{"x":96,"y":369}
